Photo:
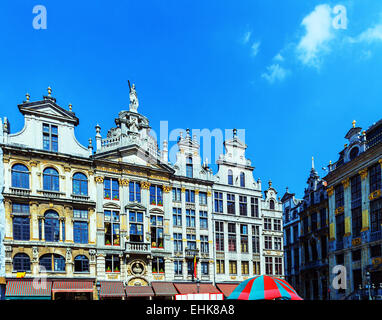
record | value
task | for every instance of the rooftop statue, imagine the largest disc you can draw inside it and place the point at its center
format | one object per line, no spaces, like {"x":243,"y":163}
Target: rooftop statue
{"x":133,"y":98}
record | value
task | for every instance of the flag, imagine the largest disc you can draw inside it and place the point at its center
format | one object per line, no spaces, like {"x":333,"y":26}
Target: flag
{"x":195,"y":267}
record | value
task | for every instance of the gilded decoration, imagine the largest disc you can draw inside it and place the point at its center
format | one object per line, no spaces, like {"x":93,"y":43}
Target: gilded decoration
{"x":375,"y":195}
{"x":363,"y":173}
{"x":145,"y":185}
{"x":167,"y":189}
{"x":98,"y":179}
{"x":345,"y":183}
{"x":339,"y":210}
{"x":137,"y":282}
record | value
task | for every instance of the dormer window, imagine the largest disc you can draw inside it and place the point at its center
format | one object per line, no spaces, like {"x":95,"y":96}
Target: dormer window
{"x":189,"y":167}
{"x":50,"y":137}
{"x":230,"y":177}
{"x":353,"y":153}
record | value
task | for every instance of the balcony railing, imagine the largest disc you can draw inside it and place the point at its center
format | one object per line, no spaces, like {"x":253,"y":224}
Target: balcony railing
{"x":191,"y":252}
{"x":137,"y":247}
{"x":20,"y":191}
{"x":376,"y":235}
{"x":80,"y":197}
{"x":51,"y":194}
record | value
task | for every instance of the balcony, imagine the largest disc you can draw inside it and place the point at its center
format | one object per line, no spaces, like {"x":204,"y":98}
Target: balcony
{"x":376,"y":235}
{"x":20,"y":191}
{"x":51,"y":194}
{"x":191,"y":252}
{"x":138,"y":247}
{"x":80,"y":197}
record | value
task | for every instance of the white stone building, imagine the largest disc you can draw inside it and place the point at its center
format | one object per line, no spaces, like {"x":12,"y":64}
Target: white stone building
{"x":242,"y":218}
{"x":120,"y":220}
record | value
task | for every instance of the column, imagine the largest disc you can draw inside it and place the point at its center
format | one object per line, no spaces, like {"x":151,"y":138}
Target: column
{"x":365,"y":199}
{"x":34,"y":221}
{"x":99,"y":214}
{"x":145,"y":197}
{"x":68,"y":224}
{"x":8,"y":220}
{"x":92,"y":226}
{"x":167,"y":227}
{"x":347,"y":206}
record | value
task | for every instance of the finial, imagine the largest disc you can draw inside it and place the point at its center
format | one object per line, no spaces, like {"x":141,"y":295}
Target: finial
{"x":312,"y":162}
{"x":330,"y":161}
{"x":98,"y":128}
{"x":70,"y":107}
{"x":364,"y":132}
{"x":270,"y":183}
{"x":27,"y":96}
{"x":234,"y":132}
{"x":188,"y":131}
{"x":90,"y":143}
{"x":354,"y":123}
{"x":345,"y":145}
{"x":49,"y":91}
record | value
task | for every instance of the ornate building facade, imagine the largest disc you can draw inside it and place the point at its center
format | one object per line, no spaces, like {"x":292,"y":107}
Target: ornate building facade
{"x":120,"y":220}
{"x":355,"y":212}
{"x":307,"y":233}
{"x":2,"y":221}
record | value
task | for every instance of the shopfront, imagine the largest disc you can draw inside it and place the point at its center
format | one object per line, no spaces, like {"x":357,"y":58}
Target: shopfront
{"x":73,"y":290}
{"x":28,"y":289}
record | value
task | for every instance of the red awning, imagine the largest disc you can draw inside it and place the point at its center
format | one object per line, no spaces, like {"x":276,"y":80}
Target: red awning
{"x":26,"y":288}
{"x":227,"y":288}
{"x":192,"y":288}
{"x":111,"y":289}
{"x":72,"y":286}
{"x":164,"y":288}
{"x":139,"y":291}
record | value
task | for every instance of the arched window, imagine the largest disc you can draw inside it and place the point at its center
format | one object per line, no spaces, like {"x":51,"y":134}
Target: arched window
{"x":52,"y":262}
{"x":20,"y":176}
{"x":80,"y":184}
{"x":51,"y":179}
{"x":81,"y":264}
{"x":353,"y":153}
{"x":230,"y":177}
{"x":52,"y":226}
{"x":242,"y":179}
{"x":21,"y":262}
{"x":189,"y":167}
{"x":271,"y":205}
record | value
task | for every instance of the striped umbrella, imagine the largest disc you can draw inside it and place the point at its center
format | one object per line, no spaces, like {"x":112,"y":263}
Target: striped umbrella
{"x":264,"y":288}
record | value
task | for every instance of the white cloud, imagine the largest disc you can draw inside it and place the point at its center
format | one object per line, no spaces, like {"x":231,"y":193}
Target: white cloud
{"x":246,"y":37}
{"x":255,"y":48}
{"x":278,"y":57}
{"x":275,"y":73}
{"x":319,"y":32}
{"x":370,"y":35}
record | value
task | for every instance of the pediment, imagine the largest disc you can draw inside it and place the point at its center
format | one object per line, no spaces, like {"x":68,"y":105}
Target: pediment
{"x":157,"y":210}
{"x":111,"y":205}
{"x":135,"y":206}
{"x":49,"y":109}
{"x":134,"y":155}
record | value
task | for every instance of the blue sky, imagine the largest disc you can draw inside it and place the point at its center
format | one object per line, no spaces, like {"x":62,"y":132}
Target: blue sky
{"x":278,"y":69}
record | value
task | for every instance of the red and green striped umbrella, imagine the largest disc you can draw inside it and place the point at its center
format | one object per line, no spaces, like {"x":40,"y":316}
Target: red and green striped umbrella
{"x":264,"y":288}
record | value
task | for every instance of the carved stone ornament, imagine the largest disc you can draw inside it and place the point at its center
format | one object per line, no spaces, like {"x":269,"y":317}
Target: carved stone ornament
{"x":98,"y":179}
